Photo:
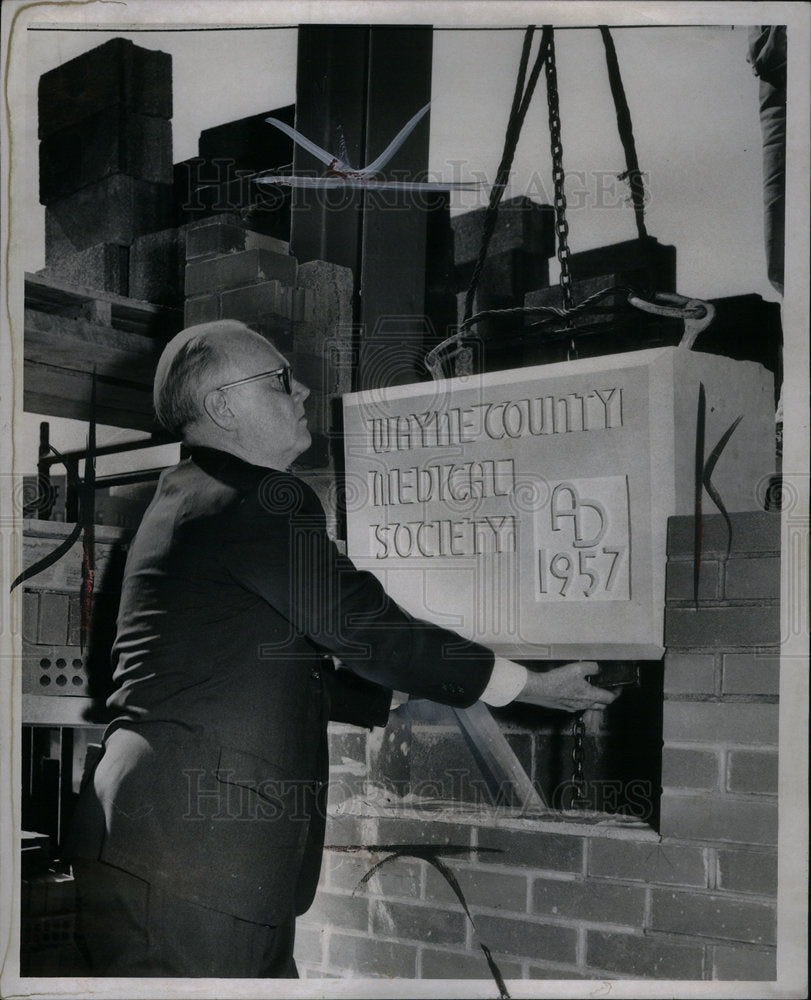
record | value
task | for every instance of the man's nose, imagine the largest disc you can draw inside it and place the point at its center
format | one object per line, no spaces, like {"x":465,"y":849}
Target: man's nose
{"x":300,"y":390}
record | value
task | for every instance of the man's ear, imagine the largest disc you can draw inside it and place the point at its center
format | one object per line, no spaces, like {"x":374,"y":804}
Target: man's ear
{"x":218,"y":409}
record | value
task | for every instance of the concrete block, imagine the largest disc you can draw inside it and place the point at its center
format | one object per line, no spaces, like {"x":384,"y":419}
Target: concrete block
{"x":754,"y":531}
{"x":748,"y":871}
{"x":201,"y":309}
{"x":752,"y":579}
{"x":267,"y":302}
{"x":113,"y":141}
{"x":115,"y":73}
{"x":752,"y":771}
{"x":157,"y":267}
{"x":543,"y":851}
{"x":104,"y":267}
{"x":718,"y":817}
{"x":411,"y":922}
{"x":30,"y":615}
{"x":689,"y":673}
{"x":115,"y":210}
{"x":719,"y":722}
{"x":251,"y":143}
{"x":234,"y":270}
{"x":528,"y":938}
{"x":690,"y":769}
{"x":510,"y":274}
{"x":584,"y":899}
{"x":751,"y":673}
{"x":713,"y":916}
{"x":363,"y":955}
{"x":663,"y":864}
{"x":399,"y":879}
{"x":446,"y":964}
{"x":720,"y":627}
{"x":632,"y":956}
{"x":309,"y":948}
{"x":731,"y":962}
{"x":481,"y":888}
{"x":53,"y":618}
{"x":227,"y":234}
{"x":521,"y":225}
{"x":328,"y":309}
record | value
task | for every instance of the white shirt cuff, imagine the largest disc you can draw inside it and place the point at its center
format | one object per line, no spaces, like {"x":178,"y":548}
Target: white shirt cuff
{"x":506,"y":682}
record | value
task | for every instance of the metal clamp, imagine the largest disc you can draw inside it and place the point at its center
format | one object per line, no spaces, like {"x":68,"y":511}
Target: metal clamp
{"x":696,"y":314}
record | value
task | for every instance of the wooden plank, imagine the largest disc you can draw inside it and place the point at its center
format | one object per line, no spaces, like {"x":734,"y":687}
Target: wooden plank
{"x":82,"y":345}
{"x":62,"y":392}
{"x":501,"y":768}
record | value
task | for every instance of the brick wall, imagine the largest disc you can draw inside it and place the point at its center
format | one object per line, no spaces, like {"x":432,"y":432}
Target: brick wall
{"x":695,"y":900}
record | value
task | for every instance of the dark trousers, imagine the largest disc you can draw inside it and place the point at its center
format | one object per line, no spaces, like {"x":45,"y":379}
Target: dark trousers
{"x":128,"y":927}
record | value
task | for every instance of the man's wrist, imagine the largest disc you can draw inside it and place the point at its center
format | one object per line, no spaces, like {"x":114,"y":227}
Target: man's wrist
{"x":506,"y":683}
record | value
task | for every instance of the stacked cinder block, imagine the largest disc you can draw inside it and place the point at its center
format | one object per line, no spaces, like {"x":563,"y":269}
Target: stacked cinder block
{"x":233,"y":272}
{"x":105,"y":160}
{"x":694,"y":899}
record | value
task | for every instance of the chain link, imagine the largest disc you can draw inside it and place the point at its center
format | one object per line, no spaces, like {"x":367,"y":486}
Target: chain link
{"x":578,"y":779}
{"x":558,"y":175}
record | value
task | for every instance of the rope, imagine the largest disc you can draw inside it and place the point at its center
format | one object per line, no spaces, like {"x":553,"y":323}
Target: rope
{"x":626,"y":132}
{"x":520,"y":103}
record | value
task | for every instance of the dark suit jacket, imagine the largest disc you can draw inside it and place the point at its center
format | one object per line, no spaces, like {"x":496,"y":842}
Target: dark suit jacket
{"x":213,"y":777}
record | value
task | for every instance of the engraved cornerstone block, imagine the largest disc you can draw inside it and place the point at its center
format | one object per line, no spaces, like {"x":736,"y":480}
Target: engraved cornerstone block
{"x":528,"y":508}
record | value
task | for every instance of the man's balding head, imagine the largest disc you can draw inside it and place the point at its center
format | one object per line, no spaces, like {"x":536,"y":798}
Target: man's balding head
{"x":191,"y":363}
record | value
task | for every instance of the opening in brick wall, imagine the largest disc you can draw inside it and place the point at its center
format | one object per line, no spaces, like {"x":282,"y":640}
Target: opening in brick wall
{"x":426,"y":759}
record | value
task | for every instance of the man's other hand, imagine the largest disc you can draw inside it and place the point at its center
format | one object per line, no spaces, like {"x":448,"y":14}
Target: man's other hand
{"x":566,"y":688}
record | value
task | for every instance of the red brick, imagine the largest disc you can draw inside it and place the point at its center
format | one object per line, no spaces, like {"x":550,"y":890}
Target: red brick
{"x":744,"y":964}
{"x":752,"y":771}
{"x":233,"y":270}
{"x":751,"y":673}
{"x":415,"y":922}
{"x":719,"y":627}
{"x":361,"y":954}
{"x":399,"y":831}
{"x":719,"y":817}
{"x":632,"y":956}
{"x":752,"y":579}
{"x":201,"y":309}
{"x":748,"y":871}
{"x":332,"y":909}
{"x":585,"y":899}
{"x":752,"y":531}
{"x":438,"y":964}
{"x":542,"y":851}
{"x":53,"y":618}
{"x":690,"y":768}
{"x":399,"y":878}
{"x":679,"y":583}
{"x":527,"y":938}
{"x":713,"y":916}
{"x":480,"y":887}
{"x":719,"y":722}
{"x":663,"y":863}
{"x":309,"y":944}
{"x":689,"y":673}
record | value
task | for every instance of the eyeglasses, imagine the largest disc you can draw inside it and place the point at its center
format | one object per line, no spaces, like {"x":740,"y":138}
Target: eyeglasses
{"x":283,"y":373}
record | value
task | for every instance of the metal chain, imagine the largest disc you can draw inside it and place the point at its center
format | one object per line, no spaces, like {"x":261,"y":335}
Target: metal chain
{"x":558,"y":178}
{"x":558,"y":175}
{"x":578,"y":779}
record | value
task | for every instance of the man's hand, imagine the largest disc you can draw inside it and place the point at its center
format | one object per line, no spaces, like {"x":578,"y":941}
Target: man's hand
{"x":566,"y":688}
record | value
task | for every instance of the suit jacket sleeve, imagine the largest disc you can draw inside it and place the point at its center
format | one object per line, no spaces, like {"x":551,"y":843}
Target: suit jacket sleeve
{"x":277,"y":546}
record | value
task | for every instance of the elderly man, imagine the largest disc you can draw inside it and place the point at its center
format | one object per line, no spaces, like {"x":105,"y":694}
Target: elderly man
{"x":198,"y":838}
